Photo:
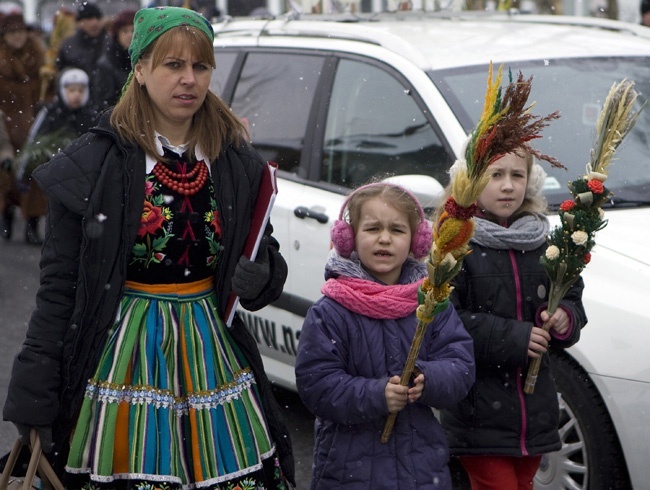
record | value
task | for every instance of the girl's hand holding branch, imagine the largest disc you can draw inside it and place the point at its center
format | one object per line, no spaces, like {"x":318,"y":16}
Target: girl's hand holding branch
{"x":559,"y":321}
{"x":538,"y":343}
{"x":396,"y":395}
{"x":417,"y":387}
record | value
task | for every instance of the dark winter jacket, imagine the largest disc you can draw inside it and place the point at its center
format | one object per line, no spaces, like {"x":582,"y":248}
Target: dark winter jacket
{"x":499,"y":295}
{"x":96,"y":190}
{"x":112,"y":70}
{"x":58,"y":118}
{"x":343,"y":364}
{"x":82,"y":51}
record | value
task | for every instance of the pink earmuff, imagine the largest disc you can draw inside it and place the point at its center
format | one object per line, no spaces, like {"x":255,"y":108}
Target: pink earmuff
{"x":342,"y":234}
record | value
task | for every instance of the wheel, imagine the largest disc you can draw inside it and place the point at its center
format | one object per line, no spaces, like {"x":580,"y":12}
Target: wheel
{"x":591,"y":457}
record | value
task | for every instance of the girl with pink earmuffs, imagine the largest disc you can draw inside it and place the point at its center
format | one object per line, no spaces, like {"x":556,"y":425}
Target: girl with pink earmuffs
{"x":354,"y":344}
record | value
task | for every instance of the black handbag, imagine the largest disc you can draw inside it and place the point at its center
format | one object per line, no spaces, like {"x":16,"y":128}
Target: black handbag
{"x":38,"y":464}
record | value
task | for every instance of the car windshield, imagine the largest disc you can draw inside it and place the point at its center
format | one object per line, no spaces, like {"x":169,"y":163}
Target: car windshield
{"x":577,"y":88}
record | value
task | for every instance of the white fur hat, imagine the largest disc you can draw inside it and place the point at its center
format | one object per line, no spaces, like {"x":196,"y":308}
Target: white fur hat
{"x":536,"y":179}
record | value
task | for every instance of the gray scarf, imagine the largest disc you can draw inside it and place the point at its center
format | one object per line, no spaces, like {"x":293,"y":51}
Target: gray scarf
{"x":412,"y":270}
{"x":526,"y":233}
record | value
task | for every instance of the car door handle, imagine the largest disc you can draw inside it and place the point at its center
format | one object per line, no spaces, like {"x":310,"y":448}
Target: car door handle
{"x":303,"y":212}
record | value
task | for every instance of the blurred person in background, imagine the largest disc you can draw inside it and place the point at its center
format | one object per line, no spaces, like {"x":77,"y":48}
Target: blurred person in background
{"x":645,"y":13}
{"x":22,"y":53}
{"x":8,"y":190}
{"x":84,"y":48}
{"x":114,"y":65}
{"x":66,"y":118}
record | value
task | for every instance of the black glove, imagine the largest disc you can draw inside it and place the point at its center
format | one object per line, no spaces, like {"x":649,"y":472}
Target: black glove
{"x":249,"y":278}
{"x":44,"y":434}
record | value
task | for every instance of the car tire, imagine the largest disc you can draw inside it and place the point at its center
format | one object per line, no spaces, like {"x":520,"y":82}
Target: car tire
{"x":591,"y":456}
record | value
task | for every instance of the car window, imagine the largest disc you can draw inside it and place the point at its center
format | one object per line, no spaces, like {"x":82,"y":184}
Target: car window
{"x":577,"y":88}
{"x":225,"y":62}
{"x":374,"y":126}
{"x":273,"y":97}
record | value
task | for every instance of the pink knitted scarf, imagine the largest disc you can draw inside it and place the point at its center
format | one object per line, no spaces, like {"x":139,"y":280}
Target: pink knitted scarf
{"x":373,"y":299}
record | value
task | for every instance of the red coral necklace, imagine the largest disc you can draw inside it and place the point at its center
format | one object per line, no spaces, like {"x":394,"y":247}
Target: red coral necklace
{"x":180,"y":182}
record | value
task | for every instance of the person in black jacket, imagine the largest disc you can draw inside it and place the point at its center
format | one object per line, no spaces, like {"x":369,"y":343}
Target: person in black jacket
{"x":84,"y":48}
{"x":128,"y":371}
{"x":498,"y":432}
{"x":114,"y":65}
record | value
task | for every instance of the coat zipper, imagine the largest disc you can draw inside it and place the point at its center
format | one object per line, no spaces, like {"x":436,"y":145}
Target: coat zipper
{"x":520,"y":391}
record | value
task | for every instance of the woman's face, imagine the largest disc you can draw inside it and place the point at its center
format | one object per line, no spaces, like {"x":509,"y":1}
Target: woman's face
{"x":506,"y":190}
{"x":124,"y":36}
{"x":177,"y":88}
{"x":16,"y":39}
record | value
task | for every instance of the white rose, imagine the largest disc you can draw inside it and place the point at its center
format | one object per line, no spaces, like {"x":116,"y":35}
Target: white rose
{"x":580,"y":237}
{"x":552,"y":252}
{"x":596,"y":176}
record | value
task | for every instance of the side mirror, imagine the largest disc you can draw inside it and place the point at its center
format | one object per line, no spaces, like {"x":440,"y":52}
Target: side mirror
{"x":427,"y":189}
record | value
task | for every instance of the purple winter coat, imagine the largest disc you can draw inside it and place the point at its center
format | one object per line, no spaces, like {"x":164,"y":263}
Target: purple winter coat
{"x":343,"y":364}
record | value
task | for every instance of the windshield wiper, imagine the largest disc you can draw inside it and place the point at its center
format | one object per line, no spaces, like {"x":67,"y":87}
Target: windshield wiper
{"x":619,"y":202}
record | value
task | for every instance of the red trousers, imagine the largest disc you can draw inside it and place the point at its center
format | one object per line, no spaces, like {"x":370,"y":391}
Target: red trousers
{"x":501,"y":472}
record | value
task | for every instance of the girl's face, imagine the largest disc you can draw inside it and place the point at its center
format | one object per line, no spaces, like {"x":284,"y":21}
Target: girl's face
{"x":74,"y":95}
{"x":177,"y":88}
{"x":506,"y":190}
{"x":383,"y":239}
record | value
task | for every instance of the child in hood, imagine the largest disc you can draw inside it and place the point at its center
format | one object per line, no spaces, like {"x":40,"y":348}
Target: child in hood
{"x":55,"y":125}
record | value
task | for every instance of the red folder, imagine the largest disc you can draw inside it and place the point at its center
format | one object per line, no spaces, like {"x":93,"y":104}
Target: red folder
{"x":261,"y":213}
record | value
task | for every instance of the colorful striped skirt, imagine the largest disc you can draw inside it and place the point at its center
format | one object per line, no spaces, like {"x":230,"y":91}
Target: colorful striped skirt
{"x":173,"y":403}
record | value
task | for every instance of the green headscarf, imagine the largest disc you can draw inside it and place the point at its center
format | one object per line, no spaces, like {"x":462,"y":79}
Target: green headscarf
{"x":150,"y":23}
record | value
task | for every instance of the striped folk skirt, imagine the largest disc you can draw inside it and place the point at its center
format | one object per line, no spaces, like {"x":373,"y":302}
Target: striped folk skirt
{"x":173,"y":403}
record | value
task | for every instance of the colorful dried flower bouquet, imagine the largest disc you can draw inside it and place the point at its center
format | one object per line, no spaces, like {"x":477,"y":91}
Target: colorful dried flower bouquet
{"x":570,"y":243}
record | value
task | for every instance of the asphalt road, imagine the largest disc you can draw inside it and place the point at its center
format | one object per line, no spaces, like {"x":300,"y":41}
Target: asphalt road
{"x":18,"y":286}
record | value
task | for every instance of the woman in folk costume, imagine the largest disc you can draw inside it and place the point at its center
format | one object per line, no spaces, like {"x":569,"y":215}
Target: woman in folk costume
{"x":128,"y":368}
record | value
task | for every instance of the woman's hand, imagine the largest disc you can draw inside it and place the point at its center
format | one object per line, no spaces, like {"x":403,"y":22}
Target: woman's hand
{"x":538,"y":344}
{"x":250,"y":277}
{"x":44,"y":434}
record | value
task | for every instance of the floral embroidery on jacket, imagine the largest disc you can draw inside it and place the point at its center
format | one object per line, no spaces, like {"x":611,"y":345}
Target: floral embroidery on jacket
{"x":154,"y":216}
{"x":157,"y":221}
{"x":213,"y":237}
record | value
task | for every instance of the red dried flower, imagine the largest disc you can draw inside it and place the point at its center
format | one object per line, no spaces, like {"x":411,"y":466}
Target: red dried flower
{"x":456,"y":211}
{"x":587,"y":258}
{"x":567,"y":205}
{"x":595,"y":186}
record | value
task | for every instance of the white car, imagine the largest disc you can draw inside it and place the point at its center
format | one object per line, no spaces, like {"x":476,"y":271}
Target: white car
{"x":338,"y":101}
